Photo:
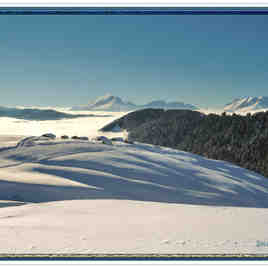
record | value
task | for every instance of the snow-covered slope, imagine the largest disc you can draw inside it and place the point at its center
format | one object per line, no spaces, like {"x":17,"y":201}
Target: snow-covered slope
{"x":87,"y":197}
{"x":113,"y":103}
{"x":247,"y":104}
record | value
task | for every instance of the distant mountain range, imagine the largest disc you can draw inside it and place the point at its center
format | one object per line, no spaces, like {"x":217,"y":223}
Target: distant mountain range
{"x":113,"y":103}
{"x":247,"y":104}
{"x":37,"y":114}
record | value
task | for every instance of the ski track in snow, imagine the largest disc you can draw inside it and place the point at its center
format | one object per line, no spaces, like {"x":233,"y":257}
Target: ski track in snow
{"x":86,"y":197}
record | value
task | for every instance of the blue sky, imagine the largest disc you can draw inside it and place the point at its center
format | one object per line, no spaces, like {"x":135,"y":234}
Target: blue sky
{"x":68,"y":60}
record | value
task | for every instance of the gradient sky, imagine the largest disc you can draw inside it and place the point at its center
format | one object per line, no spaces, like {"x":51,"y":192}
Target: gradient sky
{"x":206,"y":60}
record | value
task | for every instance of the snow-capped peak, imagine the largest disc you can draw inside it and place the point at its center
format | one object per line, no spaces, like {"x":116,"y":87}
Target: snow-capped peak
{"x":247,"y":104}
{"x":109,"y":102}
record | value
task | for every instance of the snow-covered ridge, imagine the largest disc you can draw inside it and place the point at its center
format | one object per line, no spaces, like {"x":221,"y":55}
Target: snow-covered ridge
{"x":86,"y":197}
{"x":247,"y":104}
{"x":107,"y":103}
{"x":166,"y":175}
{"x":114,"y":103}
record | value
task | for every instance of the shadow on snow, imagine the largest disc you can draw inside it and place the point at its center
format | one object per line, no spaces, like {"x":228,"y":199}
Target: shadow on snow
{"x":140,"y":177}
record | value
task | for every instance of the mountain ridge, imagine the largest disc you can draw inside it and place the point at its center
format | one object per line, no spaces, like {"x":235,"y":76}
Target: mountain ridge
{"x":38,"y":114}
{"x":109,"y":102}
{"x":247,"y":103}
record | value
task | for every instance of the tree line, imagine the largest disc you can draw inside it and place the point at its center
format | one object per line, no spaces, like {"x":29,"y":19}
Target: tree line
{"x":242,"y":140}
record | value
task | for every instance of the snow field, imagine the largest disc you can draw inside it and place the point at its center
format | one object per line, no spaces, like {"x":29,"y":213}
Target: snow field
{"x":86,"y":197}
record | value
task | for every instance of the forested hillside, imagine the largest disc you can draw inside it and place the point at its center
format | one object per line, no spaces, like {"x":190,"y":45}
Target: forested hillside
{"x":136,"y":119}
{"x":242,"y":140}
